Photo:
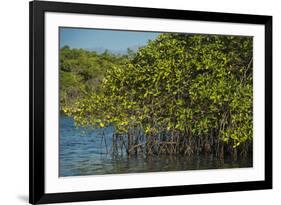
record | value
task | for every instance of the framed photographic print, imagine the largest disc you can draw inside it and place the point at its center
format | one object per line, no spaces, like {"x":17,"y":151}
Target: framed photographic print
{"x":140,"y":102}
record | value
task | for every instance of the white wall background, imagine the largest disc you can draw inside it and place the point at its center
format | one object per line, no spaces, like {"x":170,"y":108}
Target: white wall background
{"x":14,"y":42}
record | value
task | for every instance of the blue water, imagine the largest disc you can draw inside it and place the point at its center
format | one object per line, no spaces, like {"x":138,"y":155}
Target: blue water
{"x":85,"y":151}
{"x":82,"y":150}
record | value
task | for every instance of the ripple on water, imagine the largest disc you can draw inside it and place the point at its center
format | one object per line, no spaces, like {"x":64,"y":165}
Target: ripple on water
{"x":82,"y":152}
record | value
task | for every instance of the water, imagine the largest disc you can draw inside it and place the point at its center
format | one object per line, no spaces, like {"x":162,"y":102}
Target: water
{"x":83,"y":151}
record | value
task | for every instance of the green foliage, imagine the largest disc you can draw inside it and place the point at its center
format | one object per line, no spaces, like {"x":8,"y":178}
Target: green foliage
{"x":81,"y":72}
{"x":178,"y":83}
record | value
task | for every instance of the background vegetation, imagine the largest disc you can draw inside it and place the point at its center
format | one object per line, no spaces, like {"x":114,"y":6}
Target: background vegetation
{"x":179,"y":94}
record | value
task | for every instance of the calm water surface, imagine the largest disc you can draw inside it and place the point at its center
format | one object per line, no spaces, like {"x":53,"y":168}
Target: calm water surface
{"x":83,"y":151}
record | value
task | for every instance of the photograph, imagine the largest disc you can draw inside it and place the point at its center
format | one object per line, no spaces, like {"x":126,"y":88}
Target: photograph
{"x":141,"y":101}
{"x":132,"y":102}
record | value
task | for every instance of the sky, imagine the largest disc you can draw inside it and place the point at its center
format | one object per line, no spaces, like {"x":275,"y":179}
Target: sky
{"x":100,"y":39}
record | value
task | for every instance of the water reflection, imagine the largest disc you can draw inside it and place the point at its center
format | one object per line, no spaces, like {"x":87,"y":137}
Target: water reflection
{"x":83,"y":152}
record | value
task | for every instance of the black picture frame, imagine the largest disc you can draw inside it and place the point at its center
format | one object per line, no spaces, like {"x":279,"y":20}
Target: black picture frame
{"x":37,"y":193}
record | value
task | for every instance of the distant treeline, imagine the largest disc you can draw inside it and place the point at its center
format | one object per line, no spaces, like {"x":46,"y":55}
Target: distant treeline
{"x":81,"y":72}
{"x":179,"y":94}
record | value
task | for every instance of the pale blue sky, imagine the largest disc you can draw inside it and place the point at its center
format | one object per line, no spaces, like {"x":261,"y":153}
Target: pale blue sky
{"x":97,"y":39}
